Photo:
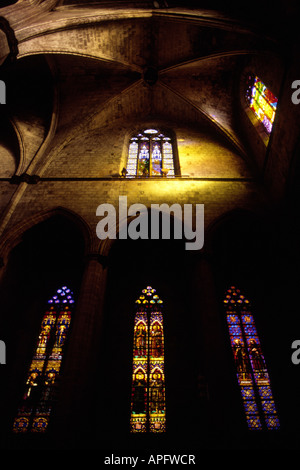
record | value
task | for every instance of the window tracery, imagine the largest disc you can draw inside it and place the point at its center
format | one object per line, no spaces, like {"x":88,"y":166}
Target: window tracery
{"x":148,"y":410}
{"x":150,"y":153}
{"x":262,"y":102}
{"x":251,"y":368}
{"x":43,"y":375}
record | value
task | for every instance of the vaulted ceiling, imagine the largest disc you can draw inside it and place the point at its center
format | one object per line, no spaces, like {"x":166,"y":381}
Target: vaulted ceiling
{"x":83,"y":64}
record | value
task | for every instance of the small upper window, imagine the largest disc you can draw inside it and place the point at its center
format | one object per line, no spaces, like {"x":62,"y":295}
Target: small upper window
{"x":151,"y":153}
{"x":262,"y":102}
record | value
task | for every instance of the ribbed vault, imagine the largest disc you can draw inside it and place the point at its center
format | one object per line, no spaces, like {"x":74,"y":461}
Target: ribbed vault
{"x":133,"y":63}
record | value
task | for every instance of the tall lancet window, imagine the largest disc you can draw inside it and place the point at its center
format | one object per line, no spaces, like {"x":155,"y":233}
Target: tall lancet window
{"x":151,"y":153}
{"x":251,"y":369}
{"x":148,"y":409}
{"x":43,"y":375}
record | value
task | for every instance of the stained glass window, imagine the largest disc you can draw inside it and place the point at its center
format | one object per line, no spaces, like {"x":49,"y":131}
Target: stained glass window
{"x":251,"y":369}
{"x":148,"y":410}
{"x":150,"y":154}
{"x":43,"y":375}
{"x":262,"y":102}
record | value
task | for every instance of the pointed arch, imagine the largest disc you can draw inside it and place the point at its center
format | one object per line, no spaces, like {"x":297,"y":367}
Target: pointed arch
{"x":13,"y":235}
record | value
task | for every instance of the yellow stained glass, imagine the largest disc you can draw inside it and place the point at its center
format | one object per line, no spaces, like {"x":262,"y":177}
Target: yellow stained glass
{"x":40,"y":388}
{"x":148,"y":411}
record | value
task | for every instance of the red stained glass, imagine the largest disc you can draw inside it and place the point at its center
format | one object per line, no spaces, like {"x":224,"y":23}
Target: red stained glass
{"x":262,"y":102}
{"x":148,"y":411}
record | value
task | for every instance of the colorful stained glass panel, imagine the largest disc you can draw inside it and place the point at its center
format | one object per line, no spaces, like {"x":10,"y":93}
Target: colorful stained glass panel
{"x":250,"y":364}
{"x":40,"y":388}
{"x":262,"y":102}
{"x":156,"y":159}
{"x":148,"y":378}
{"x":150,"y":154}
{"x":144,"y":159}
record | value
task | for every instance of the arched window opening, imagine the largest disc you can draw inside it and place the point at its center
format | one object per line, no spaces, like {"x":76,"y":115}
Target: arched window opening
{"x":43,"y":375}
{"x":251,"y":369}
{"x":151,"y":153}
{"x":148,"y":410}
{"x":262,"y":102}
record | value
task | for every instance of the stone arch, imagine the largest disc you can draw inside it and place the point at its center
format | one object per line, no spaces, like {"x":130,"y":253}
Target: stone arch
{"x":225,"y":218}
{"x":107,"y":244}
{"x":132,"y":265}
{"x":14,"y":235}
{"x":11,"y":145}
{"x":43,"y":253}
{"x":245,"y":249}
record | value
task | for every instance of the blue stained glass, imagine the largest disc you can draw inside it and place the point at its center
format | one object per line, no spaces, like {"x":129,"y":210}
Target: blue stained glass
{"x":248,"y":392}
{"x":269,"y":406}
{"x":44,"y":371}
{"x":233,"y":319}
{"x":156,"y":160}
{"x":253,"y":422}
{"x":252,"y":373}
{"x":235,"y":330}
{"x":265,"y":392}
{"x":250,"y":407}
{"x":272,"y":422}
{"x":250,"y":330}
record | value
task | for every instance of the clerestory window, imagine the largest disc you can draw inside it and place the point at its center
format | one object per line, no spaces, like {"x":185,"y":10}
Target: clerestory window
{"x":150,"y":153}
{"x":262,"y":103}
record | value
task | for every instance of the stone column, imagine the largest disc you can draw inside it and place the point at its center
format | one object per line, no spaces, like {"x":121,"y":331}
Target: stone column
{"x":213,"y":365}
{"x":73,"y":413}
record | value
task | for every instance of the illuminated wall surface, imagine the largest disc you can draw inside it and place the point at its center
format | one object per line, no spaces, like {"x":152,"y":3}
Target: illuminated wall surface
{"x":41,"y":384}
{"x":251,"y":368}
{"x":150,"y":154}
{"x":262,"y":102}
{"x":148,"y":410}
